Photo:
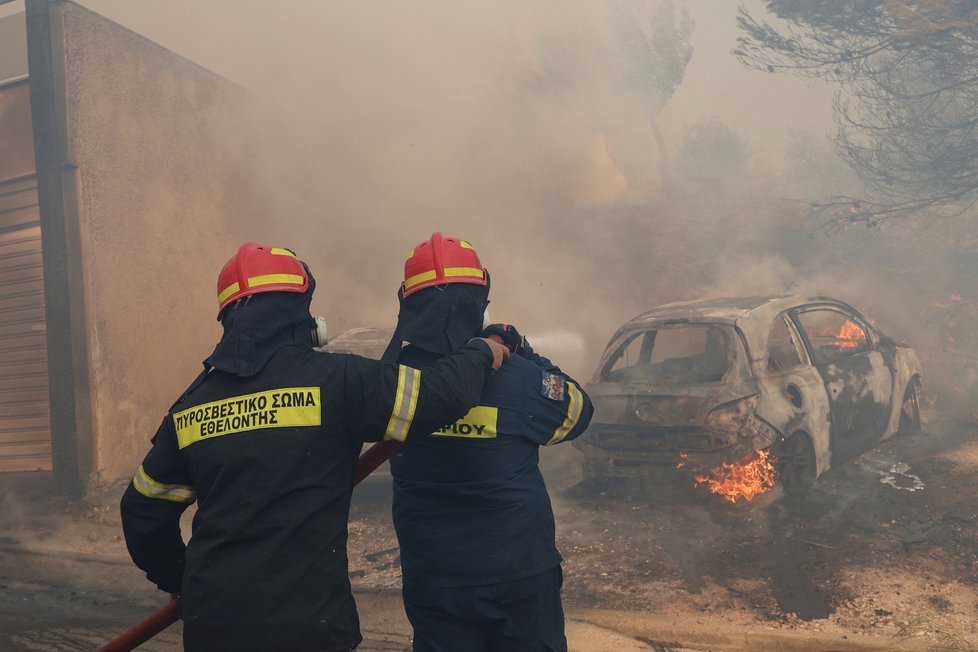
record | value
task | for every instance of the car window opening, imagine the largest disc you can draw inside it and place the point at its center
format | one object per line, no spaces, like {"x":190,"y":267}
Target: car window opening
{"x":680,"y":354}
{"x":783,"y":351}
{"x":832,"y":334}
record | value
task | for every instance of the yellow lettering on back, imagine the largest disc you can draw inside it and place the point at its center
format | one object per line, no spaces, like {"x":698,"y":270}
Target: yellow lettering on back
{"x":289,"y":407}
{"x":478,"y":423}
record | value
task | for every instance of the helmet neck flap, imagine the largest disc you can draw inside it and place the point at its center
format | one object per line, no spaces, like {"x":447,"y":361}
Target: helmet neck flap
{"x":439,"y":319}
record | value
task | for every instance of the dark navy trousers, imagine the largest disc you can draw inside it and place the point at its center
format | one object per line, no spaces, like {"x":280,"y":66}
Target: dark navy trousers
{"x":520,"y":616}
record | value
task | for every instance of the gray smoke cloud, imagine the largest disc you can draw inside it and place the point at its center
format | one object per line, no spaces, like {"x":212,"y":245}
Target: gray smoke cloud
{"x":511,"y":125}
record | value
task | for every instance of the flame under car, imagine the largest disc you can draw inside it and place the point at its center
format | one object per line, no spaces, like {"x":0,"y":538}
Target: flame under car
{"x":700,"y":388}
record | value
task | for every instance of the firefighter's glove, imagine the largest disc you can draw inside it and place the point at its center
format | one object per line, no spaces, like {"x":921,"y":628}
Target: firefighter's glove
{"x":508,"y":336}
{"x":500,"y":353}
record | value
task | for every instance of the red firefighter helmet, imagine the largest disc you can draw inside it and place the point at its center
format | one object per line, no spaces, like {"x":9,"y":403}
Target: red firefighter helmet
{"x":440,"y":260}
{"x":256,"y":268}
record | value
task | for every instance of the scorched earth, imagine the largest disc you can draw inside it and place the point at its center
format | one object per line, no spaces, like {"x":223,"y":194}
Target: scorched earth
{"x":880,"y":556}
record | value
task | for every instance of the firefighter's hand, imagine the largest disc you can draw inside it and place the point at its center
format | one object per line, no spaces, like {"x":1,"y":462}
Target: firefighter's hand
{"x":505,"y":334}
{"x":500,"y":353}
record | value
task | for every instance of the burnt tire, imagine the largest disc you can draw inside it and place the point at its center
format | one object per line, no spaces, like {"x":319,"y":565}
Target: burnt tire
{"x":910,"y":410}
{"x":797,"y":464}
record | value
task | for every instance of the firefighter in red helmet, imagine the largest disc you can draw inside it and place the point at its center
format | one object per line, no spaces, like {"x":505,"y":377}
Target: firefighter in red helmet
{"x":265,"y":441}
{"x":480,"y":568}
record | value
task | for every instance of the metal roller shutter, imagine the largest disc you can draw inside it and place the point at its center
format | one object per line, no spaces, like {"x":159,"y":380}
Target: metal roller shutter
{"x":25,"y":430}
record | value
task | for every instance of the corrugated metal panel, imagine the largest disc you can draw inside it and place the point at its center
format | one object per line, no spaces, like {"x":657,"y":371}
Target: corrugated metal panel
{"x":25,"y":430}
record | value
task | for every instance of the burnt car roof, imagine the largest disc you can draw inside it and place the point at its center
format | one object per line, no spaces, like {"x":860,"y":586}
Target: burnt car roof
{"x":752,"y":315}
{"x":728,"y":310}
{"x":366,"y":341}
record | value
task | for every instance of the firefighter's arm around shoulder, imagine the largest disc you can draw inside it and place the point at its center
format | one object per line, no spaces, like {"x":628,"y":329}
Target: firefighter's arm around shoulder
{"x":397,"y":402}
{"x":555,"y":407}
{"x":160,"y":491}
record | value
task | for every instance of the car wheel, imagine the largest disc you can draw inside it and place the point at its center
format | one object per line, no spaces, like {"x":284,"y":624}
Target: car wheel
{"x":910,"y":410}
{"x":797,"y":466}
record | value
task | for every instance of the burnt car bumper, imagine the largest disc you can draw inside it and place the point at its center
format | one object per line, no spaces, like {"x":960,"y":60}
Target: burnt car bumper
{"x":625,"y":451}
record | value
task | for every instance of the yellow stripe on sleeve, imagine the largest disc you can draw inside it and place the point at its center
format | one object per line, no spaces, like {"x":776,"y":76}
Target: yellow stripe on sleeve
{"x":150,"y":488}
{"x":574,"y":408}
{"x":405,"y":403}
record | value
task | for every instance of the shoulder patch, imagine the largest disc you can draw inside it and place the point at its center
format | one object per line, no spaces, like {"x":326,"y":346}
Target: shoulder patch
{"x":552,"y":386}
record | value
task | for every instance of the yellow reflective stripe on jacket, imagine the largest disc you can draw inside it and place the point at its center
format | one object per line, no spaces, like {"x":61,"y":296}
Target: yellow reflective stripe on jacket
{"x":406,"y":401}
{"x":150,"y":488}
{"x":286,"y":407}
{"x":574,"y":408}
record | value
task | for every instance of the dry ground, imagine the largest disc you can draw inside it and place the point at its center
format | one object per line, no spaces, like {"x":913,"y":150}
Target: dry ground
{"x":886,"y":547}
{"x":883,"y":556}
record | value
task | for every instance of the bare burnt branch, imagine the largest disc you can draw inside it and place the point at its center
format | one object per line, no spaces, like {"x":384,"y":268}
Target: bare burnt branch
{"x":852,"y":214}
{"x":907,"y":106}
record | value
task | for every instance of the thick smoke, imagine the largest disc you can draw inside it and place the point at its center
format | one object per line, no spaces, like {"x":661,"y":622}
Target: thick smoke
{"x":371,"y":124}
{"x":514,"y":126}
{"x":517,"y":127}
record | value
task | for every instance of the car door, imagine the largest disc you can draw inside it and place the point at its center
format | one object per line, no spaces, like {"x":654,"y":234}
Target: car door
{"x":858,"y":380}
{"x":793,"y":396}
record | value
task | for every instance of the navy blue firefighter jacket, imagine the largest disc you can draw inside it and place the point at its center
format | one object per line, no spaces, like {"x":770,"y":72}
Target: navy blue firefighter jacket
{"x":470,"y":504}
{"x":270,"y":459}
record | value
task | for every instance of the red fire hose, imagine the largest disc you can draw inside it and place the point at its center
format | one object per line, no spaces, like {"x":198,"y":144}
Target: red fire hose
{"x":159,"y":620}
{"x":374,"y":457}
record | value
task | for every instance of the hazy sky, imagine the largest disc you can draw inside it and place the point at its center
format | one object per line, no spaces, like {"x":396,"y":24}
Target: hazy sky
{"x":763,"y":106}
{"x":258,"y":44}
{"x":493,"y":118}
{"x":483,"y":120}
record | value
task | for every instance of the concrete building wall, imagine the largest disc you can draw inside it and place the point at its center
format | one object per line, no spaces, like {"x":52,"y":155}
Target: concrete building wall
{"x":161,"y":180}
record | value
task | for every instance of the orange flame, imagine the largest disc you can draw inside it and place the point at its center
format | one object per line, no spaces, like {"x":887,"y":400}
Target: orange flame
{"x":754,"y":474}
{"x":850,"y":335}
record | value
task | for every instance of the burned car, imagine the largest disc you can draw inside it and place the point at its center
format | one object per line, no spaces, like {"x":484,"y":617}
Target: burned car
{"x":367,"y":341}
{"x":746,"y":391}
{"x":370,"y":342}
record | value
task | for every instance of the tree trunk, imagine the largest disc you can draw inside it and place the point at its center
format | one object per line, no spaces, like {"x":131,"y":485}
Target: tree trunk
{"x":664,"y":164}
